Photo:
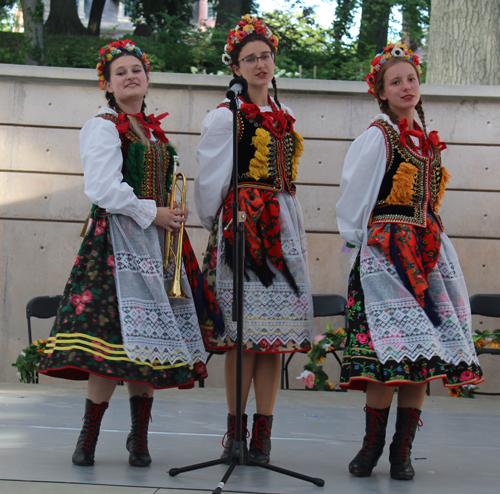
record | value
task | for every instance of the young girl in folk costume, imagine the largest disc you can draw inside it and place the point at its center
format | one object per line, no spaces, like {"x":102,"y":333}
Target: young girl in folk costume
{"x":277,"y":297}
{"x":115,"y":321}
{"x":409,"y":314}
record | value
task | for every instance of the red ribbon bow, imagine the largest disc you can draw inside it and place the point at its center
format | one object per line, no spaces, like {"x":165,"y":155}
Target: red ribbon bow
{"x":276,"y":121}
{"x":424,"y":142}
{"x":152,"y":125}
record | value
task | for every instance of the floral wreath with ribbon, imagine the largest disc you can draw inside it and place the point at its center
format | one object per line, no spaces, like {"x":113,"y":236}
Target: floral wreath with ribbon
{"x":248,"y":25}
{"x":109,"y":52}
{"x":394,"y":50}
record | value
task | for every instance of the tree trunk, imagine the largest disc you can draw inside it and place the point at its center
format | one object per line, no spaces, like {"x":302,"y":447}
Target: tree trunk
{"x":374,"y":27}
{"x":94,"y":27}
{"x":63,"y":18}
{"x":33,"y":32}
{"x":463,"y":42}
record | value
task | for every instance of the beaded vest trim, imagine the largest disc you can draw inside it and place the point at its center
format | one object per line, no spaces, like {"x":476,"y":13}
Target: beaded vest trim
{"x":265,"y":161}
{"x":147,"y":171}
{"x":411,"y":183}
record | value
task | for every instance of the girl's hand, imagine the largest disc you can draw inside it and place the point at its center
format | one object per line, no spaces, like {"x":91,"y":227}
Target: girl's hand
{"x":177,"y":205}
{"x":170,"y":219}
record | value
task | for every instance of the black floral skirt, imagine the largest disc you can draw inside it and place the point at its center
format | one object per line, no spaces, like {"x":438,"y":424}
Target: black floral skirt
{"x":360,"y":364}
{"x":86,"y":337}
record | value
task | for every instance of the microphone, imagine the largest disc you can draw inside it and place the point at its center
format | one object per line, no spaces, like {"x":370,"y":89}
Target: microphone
{"x":238,"y":86}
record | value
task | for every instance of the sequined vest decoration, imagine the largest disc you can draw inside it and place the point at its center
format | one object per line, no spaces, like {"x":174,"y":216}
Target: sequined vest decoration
{"x":147,"y":171}
{"x":412,"y":183}
{"x":277,"y":154}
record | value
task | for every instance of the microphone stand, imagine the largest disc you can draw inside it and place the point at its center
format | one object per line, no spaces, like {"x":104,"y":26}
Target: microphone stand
{"x":238,"y":452}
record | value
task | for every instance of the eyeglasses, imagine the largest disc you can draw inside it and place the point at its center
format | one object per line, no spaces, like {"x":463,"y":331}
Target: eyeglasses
{"x":266,"y":57}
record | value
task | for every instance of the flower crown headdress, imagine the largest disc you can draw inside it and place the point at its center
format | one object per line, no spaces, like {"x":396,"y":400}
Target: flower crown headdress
{"x":248,"y":25}
{"x":397,"y":50}
{"x":108,"y":53}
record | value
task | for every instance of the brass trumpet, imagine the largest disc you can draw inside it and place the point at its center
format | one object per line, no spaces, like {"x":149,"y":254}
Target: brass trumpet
{"x":175,"y":290}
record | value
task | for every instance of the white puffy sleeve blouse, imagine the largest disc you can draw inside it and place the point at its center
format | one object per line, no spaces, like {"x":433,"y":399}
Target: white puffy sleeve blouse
{"x":362,"y":175}
{"x":100,"y":150}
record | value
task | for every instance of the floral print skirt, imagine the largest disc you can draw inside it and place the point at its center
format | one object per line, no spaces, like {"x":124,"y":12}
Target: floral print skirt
{"x":361,"y":365}
{"x":86,"y":337}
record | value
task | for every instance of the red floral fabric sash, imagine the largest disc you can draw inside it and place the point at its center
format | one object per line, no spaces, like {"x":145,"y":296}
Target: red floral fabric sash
{"x":262,"y":233}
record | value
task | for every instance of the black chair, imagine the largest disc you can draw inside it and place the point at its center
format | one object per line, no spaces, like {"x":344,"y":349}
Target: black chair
{"x":323,"y":306}
{"x":486,"y":305}
{"x":41,"y":308}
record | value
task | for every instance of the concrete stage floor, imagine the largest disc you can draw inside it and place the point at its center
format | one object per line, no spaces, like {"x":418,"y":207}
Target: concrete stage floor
{"x":456,"y":451}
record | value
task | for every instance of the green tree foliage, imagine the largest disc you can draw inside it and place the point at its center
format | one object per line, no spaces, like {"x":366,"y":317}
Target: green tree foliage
{"x":6,"y":20}
{"x":152,"y":12}
{"x":229,"y":11}
{"x":179,"y":46}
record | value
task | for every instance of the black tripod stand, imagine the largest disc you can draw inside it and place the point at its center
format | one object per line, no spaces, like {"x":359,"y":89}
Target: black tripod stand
{"x":238,"y":452}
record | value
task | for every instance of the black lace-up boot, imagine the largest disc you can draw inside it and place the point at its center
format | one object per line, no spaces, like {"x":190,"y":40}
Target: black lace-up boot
{"x":137,"y":440}
{"x":373,"y":442}
{"x":260,"y":444}
{"x":407,"y":421}
{"x":230,"y":435}
{"x":83,"y":455}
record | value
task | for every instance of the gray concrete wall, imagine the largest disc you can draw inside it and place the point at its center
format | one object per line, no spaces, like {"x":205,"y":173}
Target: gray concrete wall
{"x":42,"y":205}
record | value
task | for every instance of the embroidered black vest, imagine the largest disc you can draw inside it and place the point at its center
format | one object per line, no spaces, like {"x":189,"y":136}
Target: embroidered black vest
{"x":411,"y":183}
{"x":259,"y":148}
{"x":147,"y":171}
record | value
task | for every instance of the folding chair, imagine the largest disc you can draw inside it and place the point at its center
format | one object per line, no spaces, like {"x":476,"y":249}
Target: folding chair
{"x":41,"y":308}
{"x":486,"y":305}
{"x":323,"y":306}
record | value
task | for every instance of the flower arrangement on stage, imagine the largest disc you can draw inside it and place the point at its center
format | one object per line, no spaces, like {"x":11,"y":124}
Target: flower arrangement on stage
{"x":486,"y":339}
{"x":466,"y":391}
{"x":313,"y":376}
{"x":28,"y":361}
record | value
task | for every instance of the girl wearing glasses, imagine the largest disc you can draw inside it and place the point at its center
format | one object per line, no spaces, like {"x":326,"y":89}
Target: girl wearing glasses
{"x":278,"y":314}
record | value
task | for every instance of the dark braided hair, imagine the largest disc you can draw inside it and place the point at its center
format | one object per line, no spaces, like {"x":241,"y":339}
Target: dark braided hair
{"x":235,"y":55}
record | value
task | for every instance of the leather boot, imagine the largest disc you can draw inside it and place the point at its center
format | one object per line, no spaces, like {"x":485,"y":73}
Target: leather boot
{"x":83,"y":455}
{"x":407,"y":421}
{"x":137,"y":440}
{"x":373,"y":442}
{"x":260,"y":444}
{"x":230,"y":435}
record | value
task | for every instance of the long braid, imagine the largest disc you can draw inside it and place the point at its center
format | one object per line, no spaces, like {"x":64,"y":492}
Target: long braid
{"x":273,"y":82}
{"x":420,"y":110}
{"x":385,"y":108}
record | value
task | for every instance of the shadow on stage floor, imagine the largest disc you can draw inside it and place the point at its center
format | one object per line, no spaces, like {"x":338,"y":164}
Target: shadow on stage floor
{"x":456,"y":451}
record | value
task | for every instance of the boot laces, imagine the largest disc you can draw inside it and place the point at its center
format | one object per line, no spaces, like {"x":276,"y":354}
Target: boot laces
{"x":94,"y":415}
{"x":260,"y":433}
{"x":376,"y":419}
{"x":409,"y":432}
{"x":141,"y":437}
{"x":231,"y":432}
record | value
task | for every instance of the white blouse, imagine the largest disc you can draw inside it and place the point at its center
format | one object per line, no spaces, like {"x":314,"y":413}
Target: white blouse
{"x":215,"y":159}
{"x":102,"y":159}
